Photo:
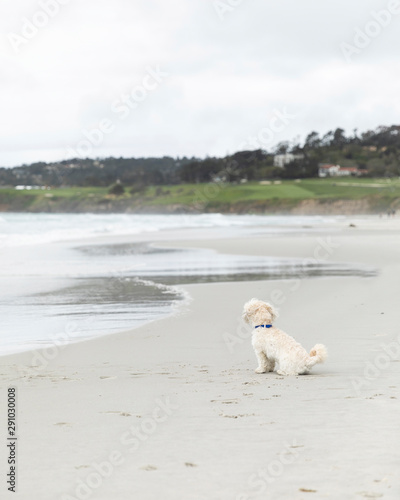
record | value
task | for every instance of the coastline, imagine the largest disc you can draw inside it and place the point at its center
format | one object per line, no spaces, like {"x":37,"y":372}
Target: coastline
{"x":307,"y":196}
{"x":59,"y":285}
{"x":364,"y":206}
{"x":176,"y":411}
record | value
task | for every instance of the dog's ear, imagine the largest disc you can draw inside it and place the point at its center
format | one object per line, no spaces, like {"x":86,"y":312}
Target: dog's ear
{"x":249,"y":310}
{"x":269,"y":310}
{"x":272,"y":311}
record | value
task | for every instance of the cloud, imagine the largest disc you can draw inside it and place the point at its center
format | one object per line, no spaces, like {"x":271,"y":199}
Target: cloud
{"x":226,"y":76}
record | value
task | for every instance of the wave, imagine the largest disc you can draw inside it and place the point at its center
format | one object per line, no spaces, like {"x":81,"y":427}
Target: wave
{"x":35,"y":229}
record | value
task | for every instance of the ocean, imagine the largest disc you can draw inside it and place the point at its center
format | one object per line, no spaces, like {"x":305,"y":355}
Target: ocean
{"x":70,"y":277}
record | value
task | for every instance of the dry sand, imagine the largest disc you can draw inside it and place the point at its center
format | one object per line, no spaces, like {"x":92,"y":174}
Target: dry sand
{"x":174,"y":410}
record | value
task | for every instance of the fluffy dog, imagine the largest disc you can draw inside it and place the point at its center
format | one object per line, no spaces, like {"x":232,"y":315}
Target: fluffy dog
{"x":274,"y":347}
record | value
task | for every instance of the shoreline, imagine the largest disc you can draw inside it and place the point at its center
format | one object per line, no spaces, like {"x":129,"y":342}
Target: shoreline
{"x":312,"y":207}
{"x":173,"y":409}
{"x":206,"y":238}
{"x":312,"y":196}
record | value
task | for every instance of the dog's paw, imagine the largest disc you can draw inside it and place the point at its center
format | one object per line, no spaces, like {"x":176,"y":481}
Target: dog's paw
{"x":260,"y":370}
{"x":280,"y":372}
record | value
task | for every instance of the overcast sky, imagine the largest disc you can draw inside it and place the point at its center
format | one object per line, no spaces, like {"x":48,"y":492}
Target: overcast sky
{"x":190,"y":77}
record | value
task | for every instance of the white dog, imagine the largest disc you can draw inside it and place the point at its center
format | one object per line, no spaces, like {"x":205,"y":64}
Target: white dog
{"x":273,"y":346}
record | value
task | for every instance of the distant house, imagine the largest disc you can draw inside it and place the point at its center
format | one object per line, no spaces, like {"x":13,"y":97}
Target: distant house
{"x":349,"y":171}
{"x":282,"y":160}
{"x":328,"y":170}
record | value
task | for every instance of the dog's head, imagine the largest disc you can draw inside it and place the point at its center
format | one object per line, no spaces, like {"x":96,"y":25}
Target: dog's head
{"x":256,"y":312}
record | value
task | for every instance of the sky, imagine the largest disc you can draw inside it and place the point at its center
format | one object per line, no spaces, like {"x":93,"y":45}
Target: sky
{"x":98,"y":78}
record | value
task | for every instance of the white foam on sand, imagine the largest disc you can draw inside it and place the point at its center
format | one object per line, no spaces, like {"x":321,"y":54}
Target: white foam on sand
{"x":35,"y":229}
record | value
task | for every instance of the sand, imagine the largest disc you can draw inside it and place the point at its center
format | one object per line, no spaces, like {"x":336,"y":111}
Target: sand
{"x":174,"y":410}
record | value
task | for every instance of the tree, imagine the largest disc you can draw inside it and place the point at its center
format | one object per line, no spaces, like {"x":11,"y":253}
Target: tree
{"x":327,"y":139}
{"x":300,"y":169}
{"x":282,"y":148}
{"x":312,"y":141}
{"x":339,"y":139}
{"x":117,"y":189}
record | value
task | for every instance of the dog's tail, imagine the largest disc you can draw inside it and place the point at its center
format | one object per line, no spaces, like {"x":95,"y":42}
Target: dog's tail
{"x":318,"y":354}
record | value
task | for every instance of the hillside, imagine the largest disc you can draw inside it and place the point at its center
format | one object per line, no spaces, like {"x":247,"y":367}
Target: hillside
{"x":375,"y":153}
{"x":284,"y":180}
{"x":318,"y":196}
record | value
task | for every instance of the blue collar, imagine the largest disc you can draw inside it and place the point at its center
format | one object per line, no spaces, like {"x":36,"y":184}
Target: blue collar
{"x":263,"y":326}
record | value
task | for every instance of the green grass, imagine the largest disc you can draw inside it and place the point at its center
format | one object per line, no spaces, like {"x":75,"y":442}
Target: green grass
{"x":380,"y":191}
{"x":43,"y":199}
{"x":327,"y":188}
{"x":286,"y":190}
{"x":78,"y":192}
{"x":192,"y":193}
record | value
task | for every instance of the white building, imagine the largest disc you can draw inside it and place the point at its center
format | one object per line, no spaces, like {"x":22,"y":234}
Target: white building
{"x":325,"y":170}
{"x":282,"y":160}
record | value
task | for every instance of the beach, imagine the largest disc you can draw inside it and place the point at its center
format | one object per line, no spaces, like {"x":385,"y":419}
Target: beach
{"x":173,"y":409}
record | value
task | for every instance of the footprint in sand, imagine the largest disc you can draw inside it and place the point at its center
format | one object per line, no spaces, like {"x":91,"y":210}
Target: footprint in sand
{"x":121,"y":413}
{"x":62,"y":378}
{"x":226,"y":401}
{"x":375,"y":396}
{"x":241,"y":415}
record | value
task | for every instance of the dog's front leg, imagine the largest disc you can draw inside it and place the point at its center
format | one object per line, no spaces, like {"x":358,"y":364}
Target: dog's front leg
{"x":263,"y":362}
